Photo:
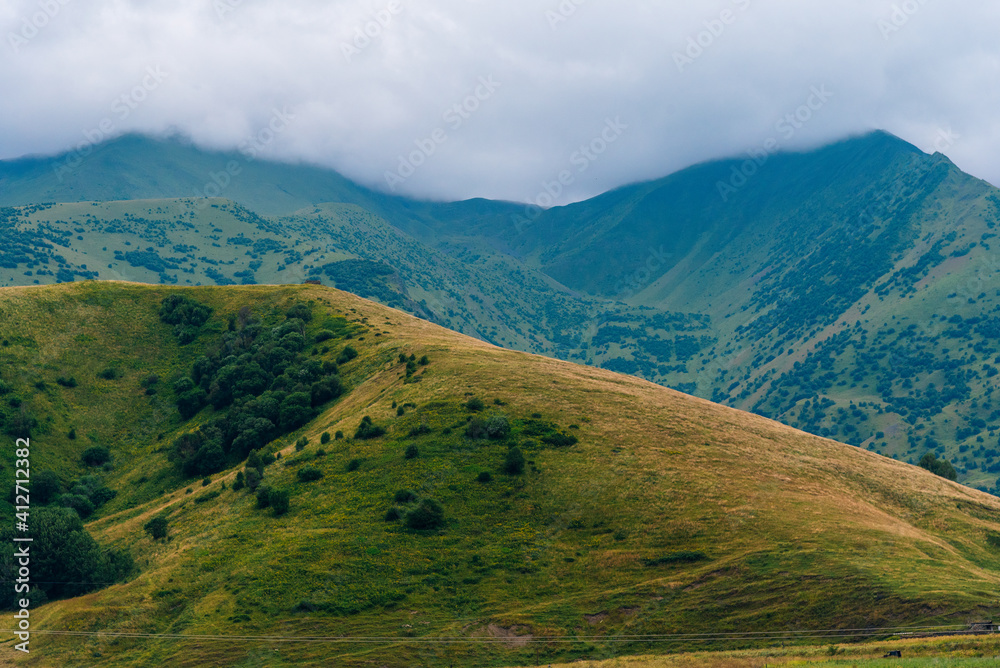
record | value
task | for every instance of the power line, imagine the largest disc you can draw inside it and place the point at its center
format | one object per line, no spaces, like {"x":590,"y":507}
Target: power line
{"x":803,"y":634}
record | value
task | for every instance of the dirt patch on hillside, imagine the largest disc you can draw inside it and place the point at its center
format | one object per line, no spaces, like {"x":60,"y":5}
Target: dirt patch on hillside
{"x":514,"y":636}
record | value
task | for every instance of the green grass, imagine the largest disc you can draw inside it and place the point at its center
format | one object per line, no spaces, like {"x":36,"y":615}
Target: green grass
{"x":795,"y":531}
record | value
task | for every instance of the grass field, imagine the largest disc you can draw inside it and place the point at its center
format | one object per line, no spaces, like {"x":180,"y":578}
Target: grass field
{"x":940,"y":652}
{"x":670,"y":514}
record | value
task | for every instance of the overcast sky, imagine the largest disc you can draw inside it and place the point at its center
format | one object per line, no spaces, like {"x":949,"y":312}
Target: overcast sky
{"x":370,"y":87}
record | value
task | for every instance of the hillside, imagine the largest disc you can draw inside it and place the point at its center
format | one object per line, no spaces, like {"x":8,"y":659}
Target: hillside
{"x":844,"y":291}
{"x":638,"y":509}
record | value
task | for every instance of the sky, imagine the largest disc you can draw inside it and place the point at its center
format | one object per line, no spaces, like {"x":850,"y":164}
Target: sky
{"x":506,"y":99}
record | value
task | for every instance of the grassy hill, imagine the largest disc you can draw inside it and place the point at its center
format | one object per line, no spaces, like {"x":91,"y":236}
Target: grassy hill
{"x":638,"y":509}
{"x":845,"y":291}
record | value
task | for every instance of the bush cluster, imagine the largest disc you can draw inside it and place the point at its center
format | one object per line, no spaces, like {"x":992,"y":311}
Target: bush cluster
{"x":268,"y":385}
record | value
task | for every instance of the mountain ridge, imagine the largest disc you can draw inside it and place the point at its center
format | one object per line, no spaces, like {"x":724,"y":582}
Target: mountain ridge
{"x":785,"y":298}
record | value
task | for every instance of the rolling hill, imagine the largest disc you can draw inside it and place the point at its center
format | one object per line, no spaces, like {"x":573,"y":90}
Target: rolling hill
{"x":845,"y":291}
{"x":634,"y":509}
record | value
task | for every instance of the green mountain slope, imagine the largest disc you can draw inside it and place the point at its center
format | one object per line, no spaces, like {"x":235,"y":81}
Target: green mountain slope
{"x":636,"y":510}
{"x":845,"y":291}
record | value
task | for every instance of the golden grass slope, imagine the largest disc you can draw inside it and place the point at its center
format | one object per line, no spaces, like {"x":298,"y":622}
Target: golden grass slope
{"x":797,"y":531}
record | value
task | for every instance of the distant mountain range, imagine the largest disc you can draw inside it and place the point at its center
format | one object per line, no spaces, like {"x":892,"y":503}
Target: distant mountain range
{"x":848,"y":291}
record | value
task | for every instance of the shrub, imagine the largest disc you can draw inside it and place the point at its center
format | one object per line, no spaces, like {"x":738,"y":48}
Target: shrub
{"x":208,"y":458}
{"x":411,"y":452}
{"x":71,"y":434}
{"x":181,"y":310}
{"x":190,"y":402}
{"x":400,"y":411}
{"x":300,"y":311}
{"x":263,"y":496}
{"x":208,"y":496}
{"x":182,"y":385}
{"x":66,"y":382}
{"x":404,"y":496}
{"x":354,"y":465}
{"x":71,"y":562}
{"x":45,"y":487}
{"x":420,"y":430}
{"x":109,"y":373}
{"x":156,"y":528}
{"x":346,"y":355}
{"x":240,"y":482}
{"x":427,"y":515}
{"x":484,"y":477}
{"x":368,"y":430}
{"x":324,"y":437}
{"x":475,"y":404}
{"x":278,"y":499}
{"x":253,"y":479}
{"x":338,"y":436}
{"x":326,"y":389}
{"x":941,"y":467}
{"x":559,"y":439}
{"x":96,"y":455}
{"x":320,"y":453}
{"x":323,"y":335}
{"x":476,"y":428}
{"x":309,"y":474}
{"x":424,"y":361}
{"x":92,"y":488}
{"x":393,"y":514}
{"x":497,"y":427}
{"x":302,"y":443}
{"x":682,"y":557}
{"x":513,"y":463}
{"x":83,"y":506}
{"x":295,"y":411}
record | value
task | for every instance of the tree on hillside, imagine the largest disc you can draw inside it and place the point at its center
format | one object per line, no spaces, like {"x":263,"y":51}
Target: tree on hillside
{"x":941,"y":467}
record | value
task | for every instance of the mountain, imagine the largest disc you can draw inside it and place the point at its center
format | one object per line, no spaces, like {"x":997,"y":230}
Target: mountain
{"x":845,"y":291}
{"x":633,"y":509}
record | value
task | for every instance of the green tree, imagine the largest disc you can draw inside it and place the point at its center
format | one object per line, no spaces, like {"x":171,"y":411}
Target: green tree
{"x":156,"y":528}
{"x":278,"y":499}
{"x":96,"y":455}
{"x":513,"y":463}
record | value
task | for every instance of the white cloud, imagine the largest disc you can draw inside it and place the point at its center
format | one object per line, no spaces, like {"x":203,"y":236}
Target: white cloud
{"x":361,"y":106}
